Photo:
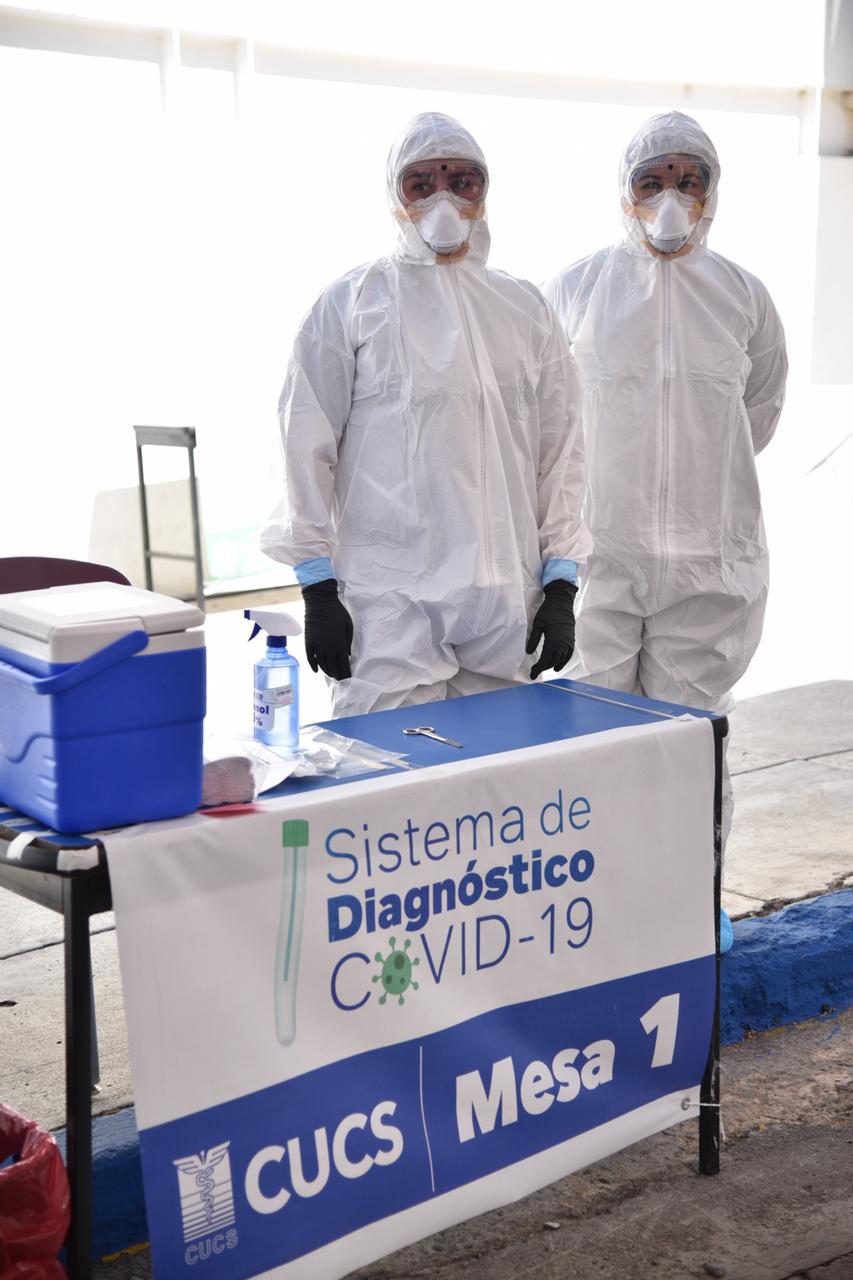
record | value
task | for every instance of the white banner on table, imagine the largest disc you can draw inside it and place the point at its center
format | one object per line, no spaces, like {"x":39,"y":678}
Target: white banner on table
{"x":364,"y":1014}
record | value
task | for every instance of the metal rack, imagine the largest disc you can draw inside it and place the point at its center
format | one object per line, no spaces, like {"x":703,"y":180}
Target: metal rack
{"x":180,"y":438}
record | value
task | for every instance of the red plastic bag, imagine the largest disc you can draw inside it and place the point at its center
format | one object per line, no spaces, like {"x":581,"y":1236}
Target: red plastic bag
{"x":35,"y":1202}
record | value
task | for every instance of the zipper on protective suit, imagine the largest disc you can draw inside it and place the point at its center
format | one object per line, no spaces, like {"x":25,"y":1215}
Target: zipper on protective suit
{"x":463,"y":311}
{"x":665,"y":403}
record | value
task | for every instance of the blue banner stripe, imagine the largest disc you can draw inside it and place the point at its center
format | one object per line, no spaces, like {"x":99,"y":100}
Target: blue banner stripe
{"x":319,"y":1156}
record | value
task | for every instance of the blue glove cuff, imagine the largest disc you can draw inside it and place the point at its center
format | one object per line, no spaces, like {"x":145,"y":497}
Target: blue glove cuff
{"x":565,"y":569}
{"x":316,"y":570}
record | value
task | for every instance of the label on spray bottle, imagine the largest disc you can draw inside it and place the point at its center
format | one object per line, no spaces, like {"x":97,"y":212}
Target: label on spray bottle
{"x":281,"y":697}
{"x":267,"y":702}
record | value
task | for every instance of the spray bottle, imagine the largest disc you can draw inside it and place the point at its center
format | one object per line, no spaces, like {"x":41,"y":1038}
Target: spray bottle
{"x":275,"y":710}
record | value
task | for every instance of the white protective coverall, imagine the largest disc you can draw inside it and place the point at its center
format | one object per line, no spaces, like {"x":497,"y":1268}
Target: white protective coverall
{"x":433,"y":453}
{"x":682,"y":362}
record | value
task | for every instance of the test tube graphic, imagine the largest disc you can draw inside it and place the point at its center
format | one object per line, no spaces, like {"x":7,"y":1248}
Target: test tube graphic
{"x":294,"y":838}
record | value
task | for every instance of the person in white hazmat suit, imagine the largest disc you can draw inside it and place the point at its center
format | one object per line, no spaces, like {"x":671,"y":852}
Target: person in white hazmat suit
{"x":433,"y":466}
{"x":682,"y":362}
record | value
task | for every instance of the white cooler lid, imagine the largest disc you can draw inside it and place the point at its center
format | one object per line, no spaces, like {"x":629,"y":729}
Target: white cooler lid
{"x":67,"y":623}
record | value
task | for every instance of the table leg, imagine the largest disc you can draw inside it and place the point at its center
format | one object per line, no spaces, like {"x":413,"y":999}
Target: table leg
{"x":78,"y":1075}
{"x":709,"y":1097}
{"x":96,"y":1060}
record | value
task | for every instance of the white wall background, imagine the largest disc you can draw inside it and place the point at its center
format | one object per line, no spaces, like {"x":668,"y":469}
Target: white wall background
{"x":156,"y":263}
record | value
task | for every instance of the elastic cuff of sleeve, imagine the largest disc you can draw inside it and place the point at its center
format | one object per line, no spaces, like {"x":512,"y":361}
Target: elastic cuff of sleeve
{"x":311,"y":571}
{"x":565,"y":569}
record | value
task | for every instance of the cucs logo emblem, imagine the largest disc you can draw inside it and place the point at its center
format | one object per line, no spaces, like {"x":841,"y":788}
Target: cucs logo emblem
{"x":207,"y":1200}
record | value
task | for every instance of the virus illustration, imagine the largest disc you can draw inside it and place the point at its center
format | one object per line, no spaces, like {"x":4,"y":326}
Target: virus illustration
{"x":396,"y":976}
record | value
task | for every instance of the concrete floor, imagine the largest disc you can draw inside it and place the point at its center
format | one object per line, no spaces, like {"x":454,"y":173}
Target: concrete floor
{"x":791,"y":759}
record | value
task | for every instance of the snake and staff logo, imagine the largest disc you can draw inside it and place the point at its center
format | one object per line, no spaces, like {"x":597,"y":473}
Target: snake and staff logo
{"x":207,"y":1196}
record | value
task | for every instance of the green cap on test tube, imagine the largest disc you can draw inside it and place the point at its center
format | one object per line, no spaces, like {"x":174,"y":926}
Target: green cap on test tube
{"x":294,"y":834}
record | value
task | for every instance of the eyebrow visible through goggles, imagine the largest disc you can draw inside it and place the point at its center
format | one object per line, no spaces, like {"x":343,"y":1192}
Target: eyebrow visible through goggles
{"x":685,"y":172}
{"x":461,"y":178}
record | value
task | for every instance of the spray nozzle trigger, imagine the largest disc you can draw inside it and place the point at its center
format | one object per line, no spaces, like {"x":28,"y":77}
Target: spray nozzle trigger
{"x":275,"y":622}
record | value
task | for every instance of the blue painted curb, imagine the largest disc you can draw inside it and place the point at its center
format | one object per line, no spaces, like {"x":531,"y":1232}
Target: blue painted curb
{"x":117,"y":1196}
{"x":795,"y":964}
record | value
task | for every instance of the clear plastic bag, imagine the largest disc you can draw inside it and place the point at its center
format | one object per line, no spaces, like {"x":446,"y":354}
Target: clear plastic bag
{"x":322,"y":752}
{"x":237,"y":768}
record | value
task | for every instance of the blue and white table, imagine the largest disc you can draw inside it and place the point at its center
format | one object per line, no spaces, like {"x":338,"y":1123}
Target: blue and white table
{"x":509,"y":967}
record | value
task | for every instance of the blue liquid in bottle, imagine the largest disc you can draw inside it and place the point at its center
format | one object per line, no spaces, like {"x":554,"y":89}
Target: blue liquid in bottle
{"x":276,"y":699}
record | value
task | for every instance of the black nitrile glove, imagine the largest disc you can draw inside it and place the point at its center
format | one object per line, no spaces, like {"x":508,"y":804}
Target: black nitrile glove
{"x":328,"y":630}
{"x":555,"y":620}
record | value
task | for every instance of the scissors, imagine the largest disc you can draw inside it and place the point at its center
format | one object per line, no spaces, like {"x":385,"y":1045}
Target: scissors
{"x":427,"y":731}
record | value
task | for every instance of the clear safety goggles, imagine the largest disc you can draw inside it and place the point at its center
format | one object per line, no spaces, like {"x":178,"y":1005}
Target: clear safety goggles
{"x":689,"y":177}
{"x":464,"y":181}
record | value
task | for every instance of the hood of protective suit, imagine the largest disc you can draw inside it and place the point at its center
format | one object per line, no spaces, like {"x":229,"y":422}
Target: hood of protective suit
{"x":432,"y":136}
{"x":672,"y":133}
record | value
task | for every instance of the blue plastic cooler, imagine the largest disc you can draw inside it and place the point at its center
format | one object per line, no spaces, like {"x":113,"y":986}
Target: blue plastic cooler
{"x":102,"y":695}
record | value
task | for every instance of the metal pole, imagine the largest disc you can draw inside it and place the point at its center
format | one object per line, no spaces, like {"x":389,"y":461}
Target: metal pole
{"x":143,"y":505}
{"x":709,"y":1096}
{"x":78,"y":1075}
{"x":199,"y":583}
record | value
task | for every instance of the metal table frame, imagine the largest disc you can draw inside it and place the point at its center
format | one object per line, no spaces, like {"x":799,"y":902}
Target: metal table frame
{"x":77,"y":896}
{"x":709,"y":1096}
